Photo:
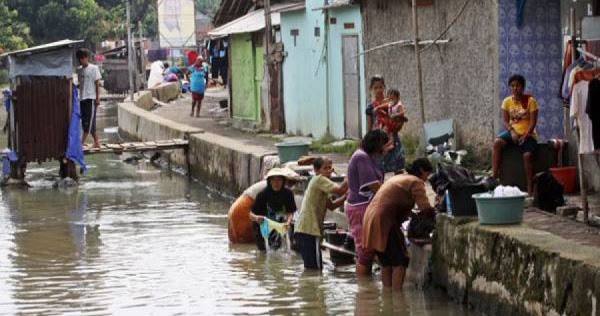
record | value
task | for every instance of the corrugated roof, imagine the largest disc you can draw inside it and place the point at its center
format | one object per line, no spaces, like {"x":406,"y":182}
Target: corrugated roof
{"x":296,"y":7}
{"x":44,"y":48}
{"x":332,"y":4}
{"x":251,"y":22}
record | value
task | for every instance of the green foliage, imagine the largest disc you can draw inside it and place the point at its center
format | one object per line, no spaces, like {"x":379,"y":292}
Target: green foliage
{"x":410,"y":143}
{"x":324,"y":145}
{"x":90,"y":20}
{"x":208,"y":7}
{"x":14,"y":34}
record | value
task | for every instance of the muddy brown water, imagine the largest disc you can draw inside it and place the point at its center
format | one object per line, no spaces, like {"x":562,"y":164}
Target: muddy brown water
{"x":134,"y":239}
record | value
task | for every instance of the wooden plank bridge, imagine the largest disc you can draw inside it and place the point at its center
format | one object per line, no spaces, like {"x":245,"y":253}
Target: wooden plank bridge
{"x":137,"y":146}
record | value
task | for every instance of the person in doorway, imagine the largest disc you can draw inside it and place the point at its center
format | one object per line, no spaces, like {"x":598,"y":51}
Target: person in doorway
{"x":197,"y":74}
{"x":364,"y":179}
{"x":316,"y":202}
{"x":276,"y":203}
{"x":392,"y":206}
{"x":519,"y":117}
{"x":377,"y":88}
{"x":239,"y":226}
{"x":89,"y":77}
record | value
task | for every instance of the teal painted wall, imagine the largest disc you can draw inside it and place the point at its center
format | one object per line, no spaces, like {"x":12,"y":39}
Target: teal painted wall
{"x":343,"y":15}
{"x":310,"y":71}
{"x":245,"y":80}
{"x":304,"y":73}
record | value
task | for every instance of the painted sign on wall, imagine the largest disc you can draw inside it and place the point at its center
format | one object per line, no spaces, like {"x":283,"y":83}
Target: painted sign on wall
{"x":176,"y":23}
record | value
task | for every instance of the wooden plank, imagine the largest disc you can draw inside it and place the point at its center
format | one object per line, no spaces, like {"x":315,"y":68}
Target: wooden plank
{"x":333,"y":247}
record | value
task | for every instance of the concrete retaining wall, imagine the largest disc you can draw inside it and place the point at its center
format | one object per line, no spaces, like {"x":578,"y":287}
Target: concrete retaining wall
{"x":166,"y":92}
{"x":515,"y":270}
{"x":227,"y":164}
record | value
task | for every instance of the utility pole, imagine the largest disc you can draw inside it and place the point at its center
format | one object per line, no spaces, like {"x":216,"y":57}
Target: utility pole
{"x":268,"y":41}
{"x":418,"y":59}
{"x":142,"y":55}
{"x":129,"y":51}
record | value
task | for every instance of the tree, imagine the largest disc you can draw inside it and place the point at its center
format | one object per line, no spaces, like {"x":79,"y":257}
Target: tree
{"x":52,"y":20}
{"x":14,"y":34}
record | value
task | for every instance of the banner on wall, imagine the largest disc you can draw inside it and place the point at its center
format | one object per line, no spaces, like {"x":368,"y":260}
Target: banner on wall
{"x":176,"y":23}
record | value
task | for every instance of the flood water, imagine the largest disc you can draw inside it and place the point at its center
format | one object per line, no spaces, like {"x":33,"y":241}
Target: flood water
{"x":133,"y":239}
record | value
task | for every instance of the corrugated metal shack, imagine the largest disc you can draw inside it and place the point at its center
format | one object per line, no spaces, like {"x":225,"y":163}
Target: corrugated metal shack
{"x":41,"y":83}
{"x":115,"y":67}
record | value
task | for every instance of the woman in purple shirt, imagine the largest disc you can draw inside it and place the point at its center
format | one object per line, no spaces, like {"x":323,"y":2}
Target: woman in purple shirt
{"x":364,"y":179}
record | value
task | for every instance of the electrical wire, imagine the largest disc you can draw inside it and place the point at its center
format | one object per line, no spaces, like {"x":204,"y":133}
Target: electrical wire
{"x":464,"y":6}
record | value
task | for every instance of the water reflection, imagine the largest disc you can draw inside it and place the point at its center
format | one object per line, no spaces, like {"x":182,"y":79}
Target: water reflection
{"x":135,"y":240}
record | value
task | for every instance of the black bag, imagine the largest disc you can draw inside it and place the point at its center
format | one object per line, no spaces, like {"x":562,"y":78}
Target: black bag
{"x":547,"y":192}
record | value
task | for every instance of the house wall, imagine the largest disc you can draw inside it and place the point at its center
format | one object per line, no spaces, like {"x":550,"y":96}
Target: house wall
{"x":304,"y":73}
{"x":343,"y":15}
{"x":313,"y":86}
{"x":460,"y":79}
{"x":535,"y":51}
{"x":245,"y":99}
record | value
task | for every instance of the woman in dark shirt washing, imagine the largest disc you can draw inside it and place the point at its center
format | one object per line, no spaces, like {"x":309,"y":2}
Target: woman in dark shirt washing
{"x":275,"y":202}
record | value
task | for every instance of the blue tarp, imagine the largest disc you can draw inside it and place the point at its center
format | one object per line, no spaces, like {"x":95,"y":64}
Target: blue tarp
{"x":6,"y":93}
{"x":74,"y":148}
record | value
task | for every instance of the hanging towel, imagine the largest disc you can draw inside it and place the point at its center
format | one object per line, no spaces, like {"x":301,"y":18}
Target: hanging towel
{"x":74,"y":149}
{"x":269,"y":225}
{"x":520,"y":12}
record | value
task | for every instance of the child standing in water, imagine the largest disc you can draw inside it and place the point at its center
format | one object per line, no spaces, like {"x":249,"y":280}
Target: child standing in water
{"x":309,"y":226}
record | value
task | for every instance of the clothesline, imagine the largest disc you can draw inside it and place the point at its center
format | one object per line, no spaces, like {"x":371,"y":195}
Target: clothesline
{"x":590,"y":55}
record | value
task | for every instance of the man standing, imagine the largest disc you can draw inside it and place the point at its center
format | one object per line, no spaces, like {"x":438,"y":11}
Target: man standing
{"x":197,"y":84}
{"x":89,"y":94}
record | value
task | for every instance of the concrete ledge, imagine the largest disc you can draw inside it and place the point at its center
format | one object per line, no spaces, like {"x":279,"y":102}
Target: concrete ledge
{"x":515,"y":270}
{"x":166,"y":92}
{"x":143,"y":100}
{"x":227,"y":164}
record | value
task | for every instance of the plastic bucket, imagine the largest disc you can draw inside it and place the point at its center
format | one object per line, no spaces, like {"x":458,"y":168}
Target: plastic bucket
{"x":566,"y":177}
{"x":291,"y":151}
{"x":499,"y":210}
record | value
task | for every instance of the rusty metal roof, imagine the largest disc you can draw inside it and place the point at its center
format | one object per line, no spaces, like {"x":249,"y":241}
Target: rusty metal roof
{"x":44,"y":48}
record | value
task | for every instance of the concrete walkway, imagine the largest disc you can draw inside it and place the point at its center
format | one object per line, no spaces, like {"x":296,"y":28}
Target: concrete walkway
{"x":215,"y":120}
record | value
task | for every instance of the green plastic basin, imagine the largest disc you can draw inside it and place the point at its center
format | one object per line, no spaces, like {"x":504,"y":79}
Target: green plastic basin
{"x":291,"y":151}
{"x":499,"y":210}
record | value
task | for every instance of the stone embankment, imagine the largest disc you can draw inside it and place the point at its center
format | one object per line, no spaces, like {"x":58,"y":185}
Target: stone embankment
{"x":545,"y":266}
{"x":226,"y":163}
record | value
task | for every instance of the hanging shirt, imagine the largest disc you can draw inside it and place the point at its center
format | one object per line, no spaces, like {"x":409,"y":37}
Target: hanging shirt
{"x":564,"y":92}
{"x":519,"y":114}
{"x":87,"y":77}
{"x":577,"y":111}
{"x":197,"y":79}
{"x":593,"y":110}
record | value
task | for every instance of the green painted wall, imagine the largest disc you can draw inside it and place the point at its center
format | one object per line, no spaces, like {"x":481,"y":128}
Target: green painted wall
{"x":245,"y":94}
